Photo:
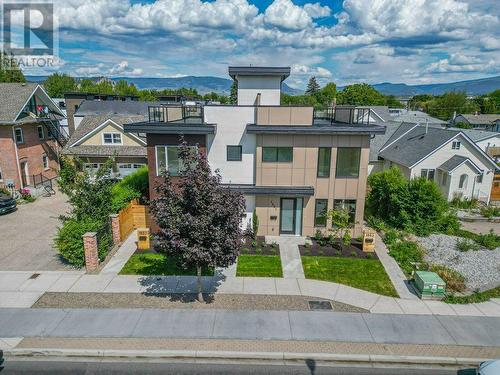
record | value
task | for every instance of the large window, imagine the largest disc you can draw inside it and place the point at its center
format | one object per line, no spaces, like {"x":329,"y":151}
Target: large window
{"x":234,"y":153}
{"x":167,"y":158}
{"x":277,"y":154}
{"x":320,"y":209}
{"x":19,"y":135}
{"x":346,"y":204}
{"x":348,"y":161}
{"x":112,"y":138}
{"x":324,"y":157}
{"x":428,"y":174}
{"x":462,"y":183}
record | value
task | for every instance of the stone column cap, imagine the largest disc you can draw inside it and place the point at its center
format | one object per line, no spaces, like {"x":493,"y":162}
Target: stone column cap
{"x":90,"y":234}
{"x":113,"y":215}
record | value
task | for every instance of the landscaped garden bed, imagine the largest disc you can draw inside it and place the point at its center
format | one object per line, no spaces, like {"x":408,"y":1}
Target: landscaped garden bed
{"x":366,"y":274}
{"x":329,"y":246}
{"x":258,"y":246}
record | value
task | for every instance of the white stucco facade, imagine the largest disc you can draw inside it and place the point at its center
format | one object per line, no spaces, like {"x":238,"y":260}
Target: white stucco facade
{"x":231,"y":122}
{"x":269,"y":88}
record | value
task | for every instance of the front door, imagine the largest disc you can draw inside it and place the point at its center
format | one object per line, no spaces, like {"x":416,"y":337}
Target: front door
{"x":24,"y":173}
{"x":288,"y":216}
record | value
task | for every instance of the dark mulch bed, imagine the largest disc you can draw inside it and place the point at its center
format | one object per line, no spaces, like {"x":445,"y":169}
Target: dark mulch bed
{"x":259,"y":247}
{"x":337,"y":250}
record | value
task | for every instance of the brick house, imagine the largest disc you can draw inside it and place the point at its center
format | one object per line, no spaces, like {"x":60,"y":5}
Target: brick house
{"x":30,"y":135}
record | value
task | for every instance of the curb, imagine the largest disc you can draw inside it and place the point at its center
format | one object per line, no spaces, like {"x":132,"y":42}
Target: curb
{"x":240,"y":355}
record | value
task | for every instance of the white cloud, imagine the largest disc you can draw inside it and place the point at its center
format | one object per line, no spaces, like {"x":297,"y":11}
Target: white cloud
{"x":286,"y":15}
{"x":123,"y":68}
{"x":316,"y":10}
{"x":311,"y":71}
{"x":88,"y":71}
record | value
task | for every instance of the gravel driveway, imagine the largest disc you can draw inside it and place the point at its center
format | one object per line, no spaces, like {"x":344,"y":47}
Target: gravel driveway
{"x":26,"y":236}
{"x":481,"y":268}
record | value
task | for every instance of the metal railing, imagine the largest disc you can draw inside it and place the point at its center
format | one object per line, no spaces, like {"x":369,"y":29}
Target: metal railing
{"x":176,"y":113}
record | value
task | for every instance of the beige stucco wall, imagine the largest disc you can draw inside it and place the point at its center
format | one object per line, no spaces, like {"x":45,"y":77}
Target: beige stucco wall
{"x":303,"y":172}
{"x":284,"y":115}
{"x":96,"y":139}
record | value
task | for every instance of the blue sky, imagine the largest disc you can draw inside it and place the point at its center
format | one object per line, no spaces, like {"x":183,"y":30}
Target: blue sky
{"x":410,"y":41}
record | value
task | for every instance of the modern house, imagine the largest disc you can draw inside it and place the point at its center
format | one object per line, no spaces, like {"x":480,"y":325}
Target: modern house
{"x":30,"y":135}
{"x":291,"y":163}
{"x":478,"y":121}
{"x":98,"y":138}
{"x":448,"y":157}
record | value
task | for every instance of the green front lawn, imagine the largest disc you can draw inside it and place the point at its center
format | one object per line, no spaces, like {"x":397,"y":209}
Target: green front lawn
{"x":157,"y":264}
{"x":366,"y":274}
{"x":259,"y":266}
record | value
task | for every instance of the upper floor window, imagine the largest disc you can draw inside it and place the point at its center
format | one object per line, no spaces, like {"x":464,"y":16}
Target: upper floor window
{"x":41,"y":133}
{"x":455,"y":145}
{"x":167,"y":158}
{"x":234,"y":153}
{"x":324,"y":157}
{"x":277,"y":154}
{"x":45,"y":161}
{"x":19,"y":135}
{"x":428,"y":174}
{"x":112,"y":138}
{"x":348,"y":159}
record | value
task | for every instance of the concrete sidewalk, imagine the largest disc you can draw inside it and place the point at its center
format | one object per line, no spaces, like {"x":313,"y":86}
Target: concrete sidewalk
{"x":250,"y":325}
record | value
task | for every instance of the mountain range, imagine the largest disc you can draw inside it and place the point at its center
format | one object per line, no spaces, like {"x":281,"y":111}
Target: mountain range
{"x":222,"y":85}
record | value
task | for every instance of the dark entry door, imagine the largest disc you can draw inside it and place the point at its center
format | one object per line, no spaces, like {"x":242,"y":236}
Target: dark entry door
{"x":287,"y":218}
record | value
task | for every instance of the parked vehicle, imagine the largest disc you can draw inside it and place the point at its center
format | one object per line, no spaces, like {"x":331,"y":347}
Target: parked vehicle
{"x":7,"y":204}
{"x":489,"y":368}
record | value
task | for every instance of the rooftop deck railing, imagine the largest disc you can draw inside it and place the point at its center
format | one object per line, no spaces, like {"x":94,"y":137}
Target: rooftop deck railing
{"x":176,"y":113}
{"x":345,"y":115}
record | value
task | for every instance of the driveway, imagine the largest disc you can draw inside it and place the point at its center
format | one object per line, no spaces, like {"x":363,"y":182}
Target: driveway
{"x":26,"y":236}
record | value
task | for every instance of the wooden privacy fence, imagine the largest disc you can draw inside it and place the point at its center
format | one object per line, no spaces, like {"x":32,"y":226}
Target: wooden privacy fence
{"x":495,"y":189}
{"x":133,"y":216}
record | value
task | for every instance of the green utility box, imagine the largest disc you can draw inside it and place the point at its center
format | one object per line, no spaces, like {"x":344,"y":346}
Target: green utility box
{"x":429,"y":285}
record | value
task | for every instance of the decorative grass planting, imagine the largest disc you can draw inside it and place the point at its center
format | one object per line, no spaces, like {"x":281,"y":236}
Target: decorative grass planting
{"x":158,"y":265}
{"x":366,"y":274}
{"x":259,"y":266}
{"x":329,"y":247}
{"x":258,"y":246}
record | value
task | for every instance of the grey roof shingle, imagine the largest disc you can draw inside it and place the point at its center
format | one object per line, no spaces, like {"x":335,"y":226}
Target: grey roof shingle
{"x":481,"y":119}
{"x":417,"y":117}
{"x":115,"y":107}
{"x":454,"y":162}
{"x":475,"y":134}
{"x":13,"y":96}
{"x":381,"y":110}
{"x":90,"y":123}
{"x":380,"y":140}
{"x":415,"y":144}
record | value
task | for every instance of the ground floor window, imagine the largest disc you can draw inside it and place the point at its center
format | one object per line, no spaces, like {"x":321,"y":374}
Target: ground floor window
{"x":320,"y":209}
{"x":92,"y":168}
{"x":428,"y":174}
{"x":346,"y":204}
{"x":462,"y":183}
{"x":444,"y":179}
{"x":479,"y":178}
{"x":45,"y":161}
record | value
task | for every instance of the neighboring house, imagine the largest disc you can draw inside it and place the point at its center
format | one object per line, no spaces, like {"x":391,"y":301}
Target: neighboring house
{"x":290,"y":166}
{"x":73,"y":100}
{"x":448,"y":157}
{"x":99,"y":138}
{"x":110,"y":108}
{"x":476,"y":121}
{"x":30,"y":135}
{"x":417,"y":117}
{"x":488,"y":141}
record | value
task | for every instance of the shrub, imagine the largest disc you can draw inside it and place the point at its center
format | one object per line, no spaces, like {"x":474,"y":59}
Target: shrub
{"x":274,"y":245}
{"x":391,"y":236}
{"x":369,"y":256}
{"x":346,"y":238}
{"x":69,"y":240}
{"x":4,"y":191}
{"x":26,"y":195}
{"x":376,"y":223}
{"x":318,"y":235}
{"x":465,"y":203}
{"x":490,"y":211}
{"x":244,"y":250}
{"x":467,"y":245}
{"x":406,"y":253}
{"x":254,"y":243}
{"x":455,"y":282}
{"x":307,"y":245}
{"x":489,"y":240}
{"x":255,"y":223}
{"x":354,"y":254}
{"x":133,"y":186}
{"x":338,"y":252}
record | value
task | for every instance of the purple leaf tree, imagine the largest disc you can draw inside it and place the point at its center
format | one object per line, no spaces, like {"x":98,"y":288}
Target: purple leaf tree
{"x":198,"y":218}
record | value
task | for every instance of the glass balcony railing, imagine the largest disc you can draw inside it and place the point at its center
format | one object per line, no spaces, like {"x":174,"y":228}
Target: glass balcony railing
{"x":345,"y":114}
{"x":176,"y":113}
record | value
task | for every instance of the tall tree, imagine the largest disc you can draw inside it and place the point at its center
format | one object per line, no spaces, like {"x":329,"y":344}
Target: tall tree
{"x":198,"y":219}
{"x":124,"y":88}
{"x":58,"y":84}
{"x":9,"y":70}
{"x":361,"y":94}
{"x":233,"y":96}
{"x":312,"y":86}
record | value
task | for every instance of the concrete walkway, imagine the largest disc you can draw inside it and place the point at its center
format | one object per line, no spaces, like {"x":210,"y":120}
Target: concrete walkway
{"x":393,"y":270}
{"x":17,"y":289}
{"x":116,"y":263}
{"x":290,"y":255}
{"x":250,"y":325}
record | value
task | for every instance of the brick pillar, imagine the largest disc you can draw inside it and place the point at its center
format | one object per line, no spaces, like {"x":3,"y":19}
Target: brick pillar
{"x":91,"y":254}
{"x":115,"y":228}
